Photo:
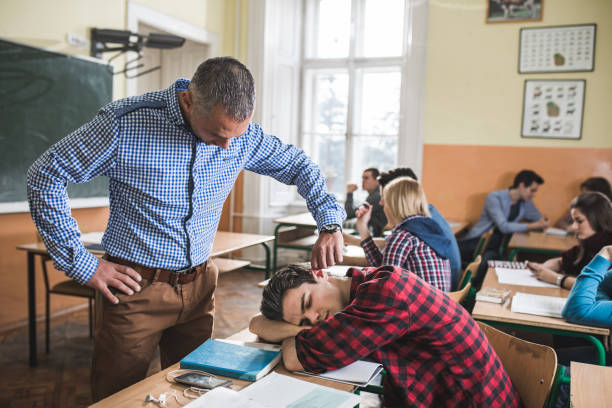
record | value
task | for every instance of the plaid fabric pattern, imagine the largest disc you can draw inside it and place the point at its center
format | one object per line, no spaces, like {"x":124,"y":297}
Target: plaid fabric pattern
{"x":434,"y":353}
{"x":410,"y":253}
{"x":167,"y":188}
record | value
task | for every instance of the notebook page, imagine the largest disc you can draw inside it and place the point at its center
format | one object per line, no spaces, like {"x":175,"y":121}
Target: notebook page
{"x":537,"y":304}
{"x":522,"y":277}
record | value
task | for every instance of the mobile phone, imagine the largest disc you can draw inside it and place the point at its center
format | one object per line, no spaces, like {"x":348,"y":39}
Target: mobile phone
{"x":202,"y":381}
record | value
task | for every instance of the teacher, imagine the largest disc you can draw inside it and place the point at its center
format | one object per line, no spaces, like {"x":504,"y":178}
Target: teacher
{"x":172,"y":157}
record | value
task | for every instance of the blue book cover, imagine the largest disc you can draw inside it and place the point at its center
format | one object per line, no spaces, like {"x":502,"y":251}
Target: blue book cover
{"x":245,"y":362}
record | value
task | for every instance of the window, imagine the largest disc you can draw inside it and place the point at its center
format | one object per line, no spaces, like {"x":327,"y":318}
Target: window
{"x":353,"y":62}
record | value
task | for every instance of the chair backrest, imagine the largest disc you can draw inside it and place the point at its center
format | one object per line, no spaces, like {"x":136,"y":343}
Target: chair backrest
{"x":459,"y":295}
{"x":469,"y":271}
{"x":482,"y":244}
{"x":531,"y":366}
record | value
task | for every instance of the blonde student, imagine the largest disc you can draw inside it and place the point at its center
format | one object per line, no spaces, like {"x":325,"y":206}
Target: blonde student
{"x":417,"y":243}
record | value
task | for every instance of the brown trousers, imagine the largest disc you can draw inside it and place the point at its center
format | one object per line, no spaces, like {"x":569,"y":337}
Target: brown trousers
{"x":178,"y":319}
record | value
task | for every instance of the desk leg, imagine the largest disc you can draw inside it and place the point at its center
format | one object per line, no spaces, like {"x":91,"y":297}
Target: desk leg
{"x":32,"y":309}
{"x":267,"y":248}
{"x":278,"y":227}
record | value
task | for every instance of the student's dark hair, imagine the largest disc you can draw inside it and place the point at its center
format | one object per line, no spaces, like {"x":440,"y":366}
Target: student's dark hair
{"x":288,"y":278}
{"x":374,"y":171}
{"x":598,"y":184}
{"x":597,"y":209}
{"x":387,"y":176}
{"x":226,"y":82}
{"x":527,"y":177}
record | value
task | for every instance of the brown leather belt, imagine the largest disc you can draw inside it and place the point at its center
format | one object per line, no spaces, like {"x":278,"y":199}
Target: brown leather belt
{"x":174,"y":278}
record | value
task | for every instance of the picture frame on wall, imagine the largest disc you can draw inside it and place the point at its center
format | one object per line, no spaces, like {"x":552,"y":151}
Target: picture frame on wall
{"x":568,"y":48}
{"x":508,"y":11}
{"x":553,"y":109}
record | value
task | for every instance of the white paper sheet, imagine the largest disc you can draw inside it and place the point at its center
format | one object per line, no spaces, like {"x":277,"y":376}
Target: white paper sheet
{"x":222,"y":397}
{"x":537,"y":305}
{"x":340,"y":270}
{"x":359,"y":373}
{"x":279,"y":391}
{"x":522,"y":277}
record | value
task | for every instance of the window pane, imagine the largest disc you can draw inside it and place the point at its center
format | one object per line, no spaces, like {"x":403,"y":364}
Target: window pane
{"x":326,"y":98}
{"x":332,"y":29}
{"x":329,"y":153}
{"x":378,"y":103}
{"x":371,"y":151}
{"x":383,"y":31}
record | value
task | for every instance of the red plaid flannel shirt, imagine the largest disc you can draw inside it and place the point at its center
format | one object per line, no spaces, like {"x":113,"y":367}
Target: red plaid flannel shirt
{"x":434,"y":353}
{"x":408,"y":252}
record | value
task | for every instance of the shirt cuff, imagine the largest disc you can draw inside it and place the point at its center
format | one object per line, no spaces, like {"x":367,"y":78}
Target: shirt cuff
{"x":330,"y":217}
{"x":84,"y":267}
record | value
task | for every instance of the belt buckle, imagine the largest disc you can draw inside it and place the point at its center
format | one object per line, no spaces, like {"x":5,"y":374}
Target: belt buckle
{"x":176,"y":275}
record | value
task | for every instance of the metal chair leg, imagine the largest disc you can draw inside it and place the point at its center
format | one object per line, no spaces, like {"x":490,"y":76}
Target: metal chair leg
{"x":47,"y":318}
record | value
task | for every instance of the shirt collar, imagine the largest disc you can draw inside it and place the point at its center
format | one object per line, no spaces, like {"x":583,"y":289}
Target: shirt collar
{"x":174,"y":109}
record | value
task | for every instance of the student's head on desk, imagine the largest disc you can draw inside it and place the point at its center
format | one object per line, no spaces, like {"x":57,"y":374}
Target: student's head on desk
{"x":591,"y":214}
{"x":304,"y":297}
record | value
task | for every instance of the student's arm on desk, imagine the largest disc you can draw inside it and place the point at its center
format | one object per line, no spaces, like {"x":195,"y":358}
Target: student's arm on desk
{"x":275,"y":330}
{"x":590,"y":301}
{"x":549,"y":271}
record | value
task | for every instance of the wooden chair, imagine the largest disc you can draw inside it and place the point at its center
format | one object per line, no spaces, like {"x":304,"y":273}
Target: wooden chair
{"x":530,"y":366}
{"x":469,"y":271}
{"x":460,"y":295}
{"x":67,"y":287}
{"x":482,"y":244}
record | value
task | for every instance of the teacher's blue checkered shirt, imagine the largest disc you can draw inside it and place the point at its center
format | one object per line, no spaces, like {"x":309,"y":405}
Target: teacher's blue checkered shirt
{"x":150,"y":157}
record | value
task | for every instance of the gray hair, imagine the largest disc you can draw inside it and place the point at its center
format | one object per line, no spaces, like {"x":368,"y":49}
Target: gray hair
{"x":226,"y":82}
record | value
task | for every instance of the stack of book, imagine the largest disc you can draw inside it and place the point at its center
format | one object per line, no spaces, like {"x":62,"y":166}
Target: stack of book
{"x":493,"y":295}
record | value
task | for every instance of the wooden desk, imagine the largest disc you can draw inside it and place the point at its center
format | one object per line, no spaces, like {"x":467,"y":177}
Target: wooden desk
{"x":590,"y":386}
{"x":294,"y":232}
{"x":354,"y":255}
{"x":157,"y":384}
{"x":500,"y":315}
{"x":225,"y":242}
{"x":538,"y":242}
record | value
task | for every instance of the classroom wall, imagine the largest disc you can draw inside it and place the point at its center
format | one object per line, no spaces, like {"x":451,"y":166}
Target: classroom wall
{"x":45,"y":24}
{"x":473,"y":109}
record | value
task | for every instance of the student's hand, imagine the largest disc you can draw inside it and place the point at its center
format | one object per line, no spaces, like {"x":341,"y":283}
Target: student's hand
{"x":327,"y":251}
{"x":606,"y":252}
{"x":540,"y":224}
{"x":542,"y":273}
{"x":110,"y":274}
{"x":363,"y":214}
{"x":351,"y":188}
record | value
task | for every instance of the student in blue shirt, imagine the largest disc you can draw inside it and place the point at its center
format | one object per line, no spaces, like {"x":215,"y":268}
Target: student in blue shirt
{"x":590,"y":300}
{"x":171,"y":158}
{"x":504,"y":210}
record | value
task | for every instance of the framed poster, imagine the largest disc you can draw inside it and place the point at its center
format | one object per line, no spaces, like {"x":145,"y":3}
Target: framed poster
{"x":553,"y":109}
{"x":506,"y":11}
{"x":557,"y":49}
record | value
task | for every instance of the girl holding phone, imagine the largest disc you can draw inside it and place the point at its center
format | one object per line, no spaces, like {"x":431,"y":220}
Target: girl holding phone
{"x":592,"y":222}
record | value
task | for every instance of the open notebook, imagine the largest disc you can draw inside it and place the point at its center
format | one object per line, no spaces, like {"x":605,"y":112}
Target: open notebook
{"x":537,"y":304}
{"x":359,"y":373}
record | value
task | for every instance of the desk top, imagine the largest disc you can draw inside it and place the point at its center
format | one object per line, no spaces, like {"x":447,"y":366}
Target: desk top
{"x":224,"y":243}
{"x":157,"y":384}
{"x":539,"y":240}
{"x":299,"y":220}
{"x":501,"y":313}
{"x":590,"y":385}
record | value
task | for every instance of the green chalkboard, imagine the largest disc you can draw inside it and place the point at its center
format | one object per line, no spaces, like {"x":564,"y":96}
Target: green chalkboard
{"x":43,"y":97}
